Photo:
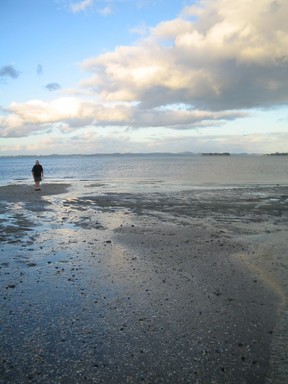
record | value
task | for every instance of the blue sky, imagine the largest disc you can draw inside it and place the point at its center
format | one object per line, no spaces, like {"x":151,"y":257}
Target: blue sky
{"x":105,"y":76}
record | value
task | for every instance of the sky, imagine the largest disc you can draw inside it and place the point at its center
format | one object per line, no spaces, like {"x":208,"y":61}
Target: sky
{"x":118,"y":76}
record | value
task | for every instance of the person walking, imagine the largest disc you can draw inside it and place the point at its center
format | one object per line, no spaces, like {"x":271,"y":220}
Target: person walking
{"x":37,"y":173}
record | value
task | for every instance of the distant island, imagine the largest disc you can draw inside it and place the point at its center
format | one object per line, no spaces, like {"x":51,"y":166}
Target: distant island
{"x":216,"y":154}
{"x":278,"y":154}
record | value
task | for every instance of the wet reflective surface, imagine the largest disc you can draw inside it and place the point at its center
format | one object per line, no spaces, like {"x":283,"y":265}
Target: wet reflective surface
{"x":129,"y":287}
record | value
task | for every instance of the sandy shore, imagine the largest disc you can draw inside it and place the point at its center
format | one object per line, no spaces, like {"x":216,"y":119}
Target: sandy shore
{"x":179,"y":287}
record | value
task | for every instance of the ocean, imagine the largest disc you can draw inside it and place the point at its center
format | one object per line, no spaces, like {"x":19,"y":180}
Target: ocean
{"x":165,"y":170}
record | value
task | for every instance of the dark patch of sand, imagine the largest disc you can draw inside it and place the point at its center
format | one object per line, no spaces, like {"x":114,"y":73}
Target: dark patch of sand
{"x":23,"y":193}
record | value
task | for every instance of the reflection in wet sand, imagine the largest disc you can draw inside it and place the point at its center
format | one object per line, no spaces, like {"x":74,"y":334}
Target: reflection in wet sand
{"x":143,"y":284}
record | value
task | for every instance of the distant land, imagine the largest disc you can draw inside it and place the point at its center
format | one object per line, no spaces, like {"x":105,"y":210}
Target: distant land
{"x":216,"y":154}
{"x":278,"y":154}
{"x":187,"y":153}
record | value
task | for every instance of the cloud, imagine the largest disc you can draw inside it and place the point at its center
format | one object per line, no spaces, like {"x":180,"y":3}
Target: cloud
{"x":9,"y":71}
{"x":141,"y":30}
{"x":108,"y":10}
{"x":53,"y":87}
{"x":105,"y":10}
{"x":210,"y":65}
{"x":22,"y":119}
{"x":93,"y":141}
{"x":217,"y":55}
{"x":79,"y":7}
{"x":39,"y":69}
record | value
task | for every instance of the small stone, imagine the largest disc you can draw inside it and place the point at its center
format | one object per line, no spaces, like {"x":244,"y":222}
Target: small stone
{"x":11,"y":286}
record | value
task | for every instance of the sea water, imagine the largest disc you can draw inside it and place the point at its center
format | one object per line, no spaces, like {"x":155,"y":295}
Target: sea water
{"x":193,"y":171}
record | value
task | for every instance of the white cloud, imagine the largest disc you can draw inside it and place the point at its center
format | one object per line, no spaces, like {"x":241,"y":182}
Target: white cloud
{"x":218,"y":58}
{"x":141,"y":30}
{"x":79,"y":7}
{"x":234,"y":55}
{"x":69,"y":114}
{"x":105,"y":10}
{"x":108,"y":10}
{"x":113,"y":140}
{"x":36,"y":115}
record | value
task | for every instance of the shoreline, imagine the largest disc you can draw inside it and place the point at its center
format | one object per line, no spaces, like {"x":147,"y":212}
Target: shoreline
{"x":143,"y":287}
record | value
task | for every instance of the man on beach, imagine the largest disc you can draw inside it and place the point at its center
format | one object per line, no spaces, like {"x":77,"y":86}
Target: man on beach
{"x":37,"y":173}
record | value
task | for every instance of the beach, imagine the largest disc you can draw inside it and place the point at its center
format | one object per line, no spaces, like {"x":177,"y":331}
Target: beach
{"x":185,"y":286}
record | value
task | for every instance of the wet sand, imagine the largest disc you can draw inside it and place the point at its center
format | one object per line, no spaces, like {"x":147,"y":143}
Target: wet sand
{"x":181,"y":287}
